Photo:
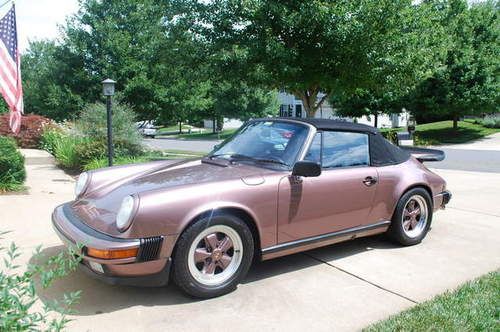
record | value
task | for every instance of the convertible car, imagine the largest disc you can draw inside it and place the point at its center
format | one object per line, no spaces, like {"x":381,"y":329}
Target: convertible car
{"x":278,"y":186}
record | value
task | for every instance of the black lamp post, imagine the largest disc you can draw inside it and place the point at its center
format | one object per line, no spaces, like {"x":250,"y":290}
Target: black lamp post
{"x":108,"y":89}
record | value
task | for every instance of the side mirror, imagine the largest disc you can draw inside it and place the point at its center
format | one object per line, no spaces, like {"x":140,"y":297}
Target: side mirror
{"x":306,"y":168}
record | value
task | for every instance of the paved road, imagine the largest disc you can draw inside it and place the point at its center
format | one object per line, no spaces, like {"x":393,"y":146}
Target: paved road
{"x":179,"y":144}
{"x":469,"y":160}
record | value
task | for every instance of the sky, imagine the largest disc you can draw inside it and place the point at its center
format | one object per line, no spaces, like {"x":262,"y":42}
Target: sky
{"x":38,"y":19}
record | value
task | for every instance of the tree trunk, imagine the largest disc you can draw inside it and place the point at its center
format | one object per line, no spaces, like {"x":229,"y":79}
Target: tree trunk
{"x":376,"y":120}
{"x":455,"y":121}
{"x":310,"y":100}
{"x":180,"y":127}
{"x":214,"y":124}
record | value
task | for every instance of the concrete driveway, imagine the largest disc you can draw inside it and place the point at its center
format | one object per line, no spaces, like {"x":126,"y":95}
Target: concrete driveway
{"x":345,"y":286}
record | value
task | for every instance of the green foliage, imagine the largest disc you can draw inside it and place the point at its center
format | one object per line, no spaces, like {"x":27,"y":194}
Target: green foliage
{"x":472,"y":307}
{"x":65,"y":151}
{"x":93,"y":124}
{"x":18,"y":291}
{"x":390,"y":134}
{"x":49,"y":139}
{"x":12,"y":172}
{"x":467,"y":82}
{"x":316,"y":47}
{"x":443,"y":133}
{"x":491,"y":122}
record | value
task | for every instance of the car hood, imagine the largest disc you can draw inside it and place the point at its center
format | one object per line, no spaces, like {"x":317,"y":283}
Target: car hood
{"x":98,"y":210}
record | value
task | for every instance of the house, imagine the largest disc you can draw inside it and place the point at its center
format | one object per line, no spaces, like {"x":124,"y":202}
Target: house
{"x":290,"y":106}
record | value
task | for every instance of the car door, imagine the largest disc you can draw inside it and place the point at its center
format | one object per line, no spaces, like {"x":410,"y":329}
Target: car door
{"x":340,"y":198}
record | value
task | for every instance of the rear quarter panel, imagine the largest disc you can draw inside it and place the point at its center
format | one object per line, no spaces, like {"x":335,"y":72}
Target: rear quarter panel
{"x":395,"y":180}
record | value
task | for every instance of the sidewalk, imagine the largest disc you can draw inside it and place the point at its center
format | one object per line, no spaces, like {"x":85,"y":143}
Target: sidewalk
{"x":342,"y":287}
{"x":490,"y":142}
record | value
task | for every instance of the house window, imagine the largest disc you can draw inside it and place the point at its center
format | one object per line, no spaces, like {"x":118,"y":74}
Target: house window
{"x":298,"y":111}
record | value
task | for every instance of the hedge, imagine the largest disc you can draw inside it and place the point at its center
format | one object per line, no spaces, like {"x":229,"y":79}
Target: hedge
{"x":12,"y":172}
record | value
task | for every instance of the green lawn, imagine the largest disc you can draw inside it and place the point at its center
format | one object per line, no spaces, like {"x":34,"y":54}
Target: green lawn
{"x":209,"y":135}
{"x":443,"y":133}
{"x":474,"y":306}
{"x":173,"y":129}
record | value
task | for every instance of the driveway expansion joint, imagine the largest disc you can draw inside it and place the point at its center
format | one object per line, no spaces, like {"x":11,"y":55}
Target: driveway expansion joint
{"x":362,"y":279}
{"x":474,"y":211}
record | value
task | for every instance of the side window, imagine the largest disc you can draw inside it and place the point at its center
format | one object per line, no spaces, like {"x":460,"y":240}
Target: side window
{"x":345,"y":149}
{"x":314,"y":153}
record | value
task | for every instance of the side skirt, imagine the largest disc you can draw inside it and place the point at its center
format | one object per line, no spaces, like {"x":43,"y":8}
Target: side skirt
{"x":291,"y":247}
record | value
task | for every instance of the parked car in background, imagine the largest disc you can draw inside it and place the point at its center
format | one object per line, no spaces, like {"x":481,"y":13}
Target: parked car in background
{"x":277,"y":187}
{"x":147,"y":128}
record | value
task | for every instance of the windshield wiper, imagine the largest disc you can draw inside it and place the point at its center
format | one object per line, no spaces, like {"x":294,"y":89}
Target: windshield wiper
{"x":273,"y":161}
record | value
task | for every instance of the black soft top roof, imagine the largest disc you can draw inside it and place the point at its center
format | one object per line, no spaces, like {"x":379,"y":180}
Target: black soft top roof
{"x":328,"y":124}
{"x":382,"y":152}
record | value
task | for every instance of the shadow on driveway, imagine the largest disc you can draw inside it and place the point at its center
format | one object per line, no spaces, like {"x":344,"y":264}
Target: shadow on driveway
{"x":98,"y":297}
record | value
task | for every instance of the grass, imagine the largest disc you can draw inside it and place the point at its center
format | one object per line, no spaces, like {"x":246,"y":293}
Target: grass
{"x":148,"y":156}
{"x":443,"y":133}
{"x":209,"y":135}
{"x":11,"y":188}
{"x":474,"y":306}
{"x":173,"y":129}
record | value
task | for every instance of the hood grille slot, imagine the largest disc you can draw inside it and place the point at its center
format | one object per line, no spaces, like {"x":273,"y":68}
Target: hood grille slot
{"x":149,"y":248}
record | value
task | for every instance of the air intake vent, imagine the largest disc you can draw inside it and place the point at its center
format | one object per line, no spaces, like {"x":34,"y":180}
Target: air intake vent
{"x":149,"y":249}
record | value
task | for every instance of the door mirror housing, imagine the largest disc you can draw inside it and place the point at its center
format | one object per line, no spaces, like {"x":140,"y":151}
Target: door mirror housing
{"x":306,"y":168}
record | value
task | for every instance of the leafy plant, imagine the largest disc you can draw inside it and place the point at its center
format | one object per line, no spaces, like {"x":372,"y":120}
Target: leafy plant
{"x":65,"y":151}
{"x":93,"y":124}
{"x":49,"y":139}
{"x":12,"y":172}
{"x":491,"y":122}
{"x":18,"y":291}
{"x":32,"y":127}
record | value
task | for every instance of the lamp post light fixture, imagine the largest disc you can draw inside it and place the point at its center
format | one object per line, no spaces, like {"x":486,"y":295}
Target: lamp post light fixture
{"x":108,"y":90}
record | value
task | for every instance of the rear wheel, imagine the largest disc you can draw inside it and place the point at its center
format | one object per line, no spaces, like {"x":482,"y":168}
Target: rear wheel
{"x":212,"y":256}
{"x":412,"y":219}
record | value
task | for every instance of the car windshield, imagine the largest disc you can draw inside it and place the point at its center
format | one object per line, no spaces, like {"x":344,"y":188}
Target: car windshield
{"x":272,"y":142}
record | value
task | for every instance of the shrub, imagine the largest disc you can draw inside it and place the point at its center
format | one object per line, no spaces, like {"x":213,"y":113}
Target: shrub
{"x":31,"y":129}
{"x":50,"y":137}
{"x":18,"y":296}
{"x":92,"y":123}
{"x":12,"y":172}
{"x":66,"y":153}
{"x":391,"y":135}
{"x":491,"y":122}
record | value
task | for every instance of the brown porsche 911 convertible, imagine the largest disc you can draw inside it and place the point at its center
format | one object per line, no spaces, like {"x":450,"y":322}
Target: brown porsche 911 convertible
{"x":278,"y":186}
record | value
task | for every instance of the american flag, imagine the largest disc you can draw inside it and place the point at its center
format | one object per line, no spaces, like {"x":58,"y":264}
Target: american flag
{"x":10,"y":69}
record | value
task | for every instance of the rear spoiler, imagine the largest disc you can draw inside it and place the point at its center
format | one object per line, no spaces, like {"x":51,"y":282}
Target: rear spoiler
{"x":423,"y":154}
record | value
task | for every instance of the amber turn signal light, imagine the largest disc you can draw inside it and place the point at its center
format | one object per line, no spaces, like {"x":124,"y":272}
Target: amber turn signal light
{"x":112,"y":254}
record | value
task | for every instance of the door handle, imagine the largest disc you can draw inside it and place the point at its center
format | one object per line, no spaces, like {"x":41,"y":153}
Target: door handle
{"x":369,"y":181}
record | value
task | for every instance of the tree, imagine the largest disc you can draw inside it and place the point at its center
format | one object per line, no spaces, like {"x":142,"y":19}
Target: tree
{"x":320,"y":46}
{"x":468,"y":80}
{"x":54,"y":85}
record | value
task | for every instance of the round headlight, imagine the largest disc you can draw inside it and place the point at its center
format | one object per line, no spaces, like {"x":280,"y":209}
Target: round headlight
{"x":124,"y":216}
{"x":81,"y":183}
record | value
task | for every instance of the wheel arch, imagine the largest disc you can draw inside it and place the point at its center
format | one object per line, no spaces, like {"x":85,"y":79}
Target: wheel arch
{"x":414,"y":186}
{"x":237,"y":211}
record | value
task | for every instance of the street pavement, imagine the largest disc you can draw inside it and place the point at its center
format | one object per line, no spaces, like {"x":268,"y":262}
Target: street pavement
{"x":342,"y":287}
{"x":163,"y":143}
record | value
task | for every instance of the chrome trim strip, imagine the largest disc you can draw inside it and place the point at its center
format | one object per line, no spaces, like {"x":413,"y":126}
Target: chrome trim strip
{"x":324,"y":237}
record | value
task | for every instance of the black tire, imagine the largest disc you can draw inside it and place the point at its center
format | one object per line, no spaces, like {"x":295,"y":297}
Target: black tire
{"x":181,"y":274}
{"x":396,"y":230}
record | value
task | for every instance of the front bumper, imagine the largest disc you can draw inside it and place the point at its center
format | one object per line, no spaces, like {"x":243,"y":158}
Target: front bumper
{"x":147,"y":269}
{"x":441,"y":199}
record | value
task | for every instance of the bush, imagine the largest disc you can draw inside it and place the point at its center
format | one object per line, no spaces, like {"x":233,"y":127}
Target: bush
{"x":390,"y":134}
{"x":31,"y":129}
{"x":65,"y":151}
{"x":491,"y":122}
{"x":49,"y":139}
{"x":18,"y":296}
{"x":12,"y":172}
{"x":92,"y":124}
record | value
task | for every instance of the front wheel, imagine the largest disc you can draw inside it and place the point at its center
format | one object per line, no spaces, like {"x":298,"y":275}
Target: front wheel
{"x":412,"y":219}
{"x":212,"y":256}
